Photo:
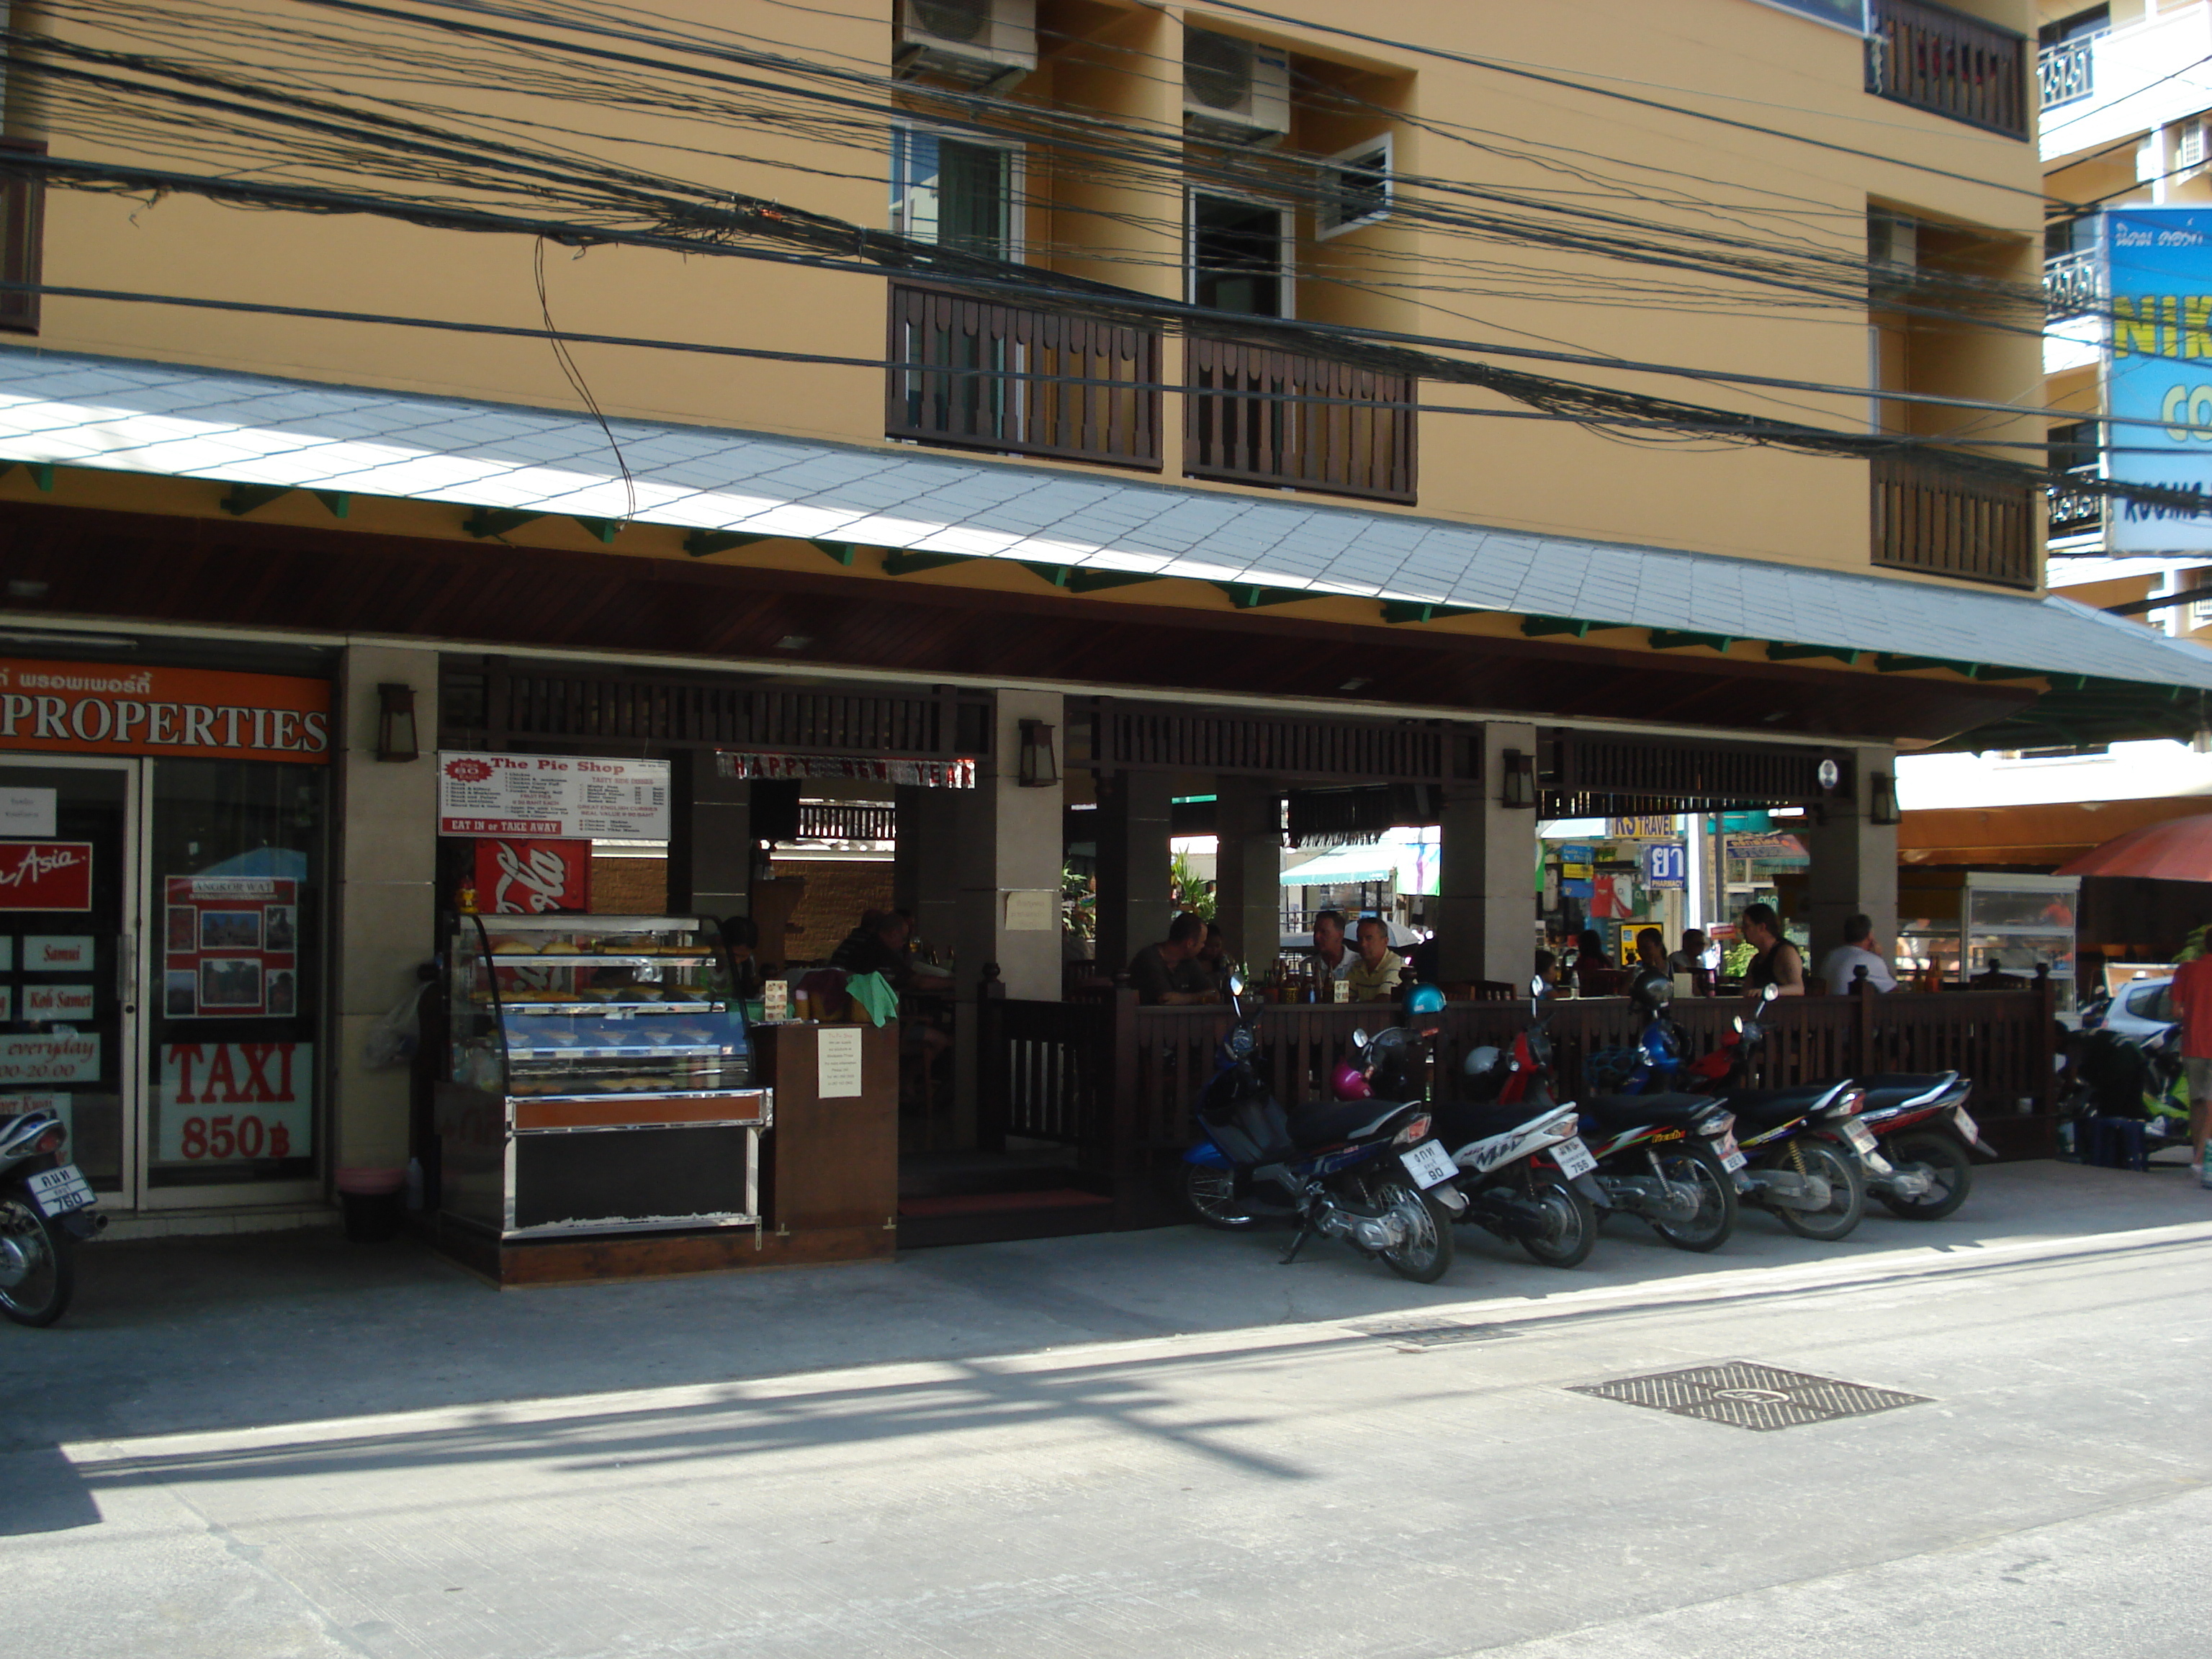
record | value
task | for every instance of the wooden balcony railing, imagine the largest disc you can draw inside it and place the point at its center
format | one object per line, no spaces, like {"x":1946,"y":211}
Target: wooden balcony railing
{"x":981,"y":374}
{"x":22,"y":236}
{"x":1359,"y":441}
{"x":1945,"y":61}
{"x":1941,"y":520}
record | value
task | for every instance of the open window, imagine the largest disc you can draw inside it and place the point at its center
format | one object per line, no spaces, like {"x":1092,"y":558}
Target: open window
{"x":1240,"y":254}
{"x":1355,"y":189}
{"x":955,"y":192}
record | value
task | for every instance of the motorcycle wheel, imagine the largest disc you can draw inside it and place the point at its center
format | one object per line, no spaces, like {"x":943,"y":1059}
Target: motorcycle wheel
{"x":1210,"y":1194}
{"x":1427,"y":1257}
{"x":1846,"y":1190}
{"x":38,"y":1269}
{"x":1946,"y":1161}
{"x":1715,"y":1220}
{"x":1570,"y":1224}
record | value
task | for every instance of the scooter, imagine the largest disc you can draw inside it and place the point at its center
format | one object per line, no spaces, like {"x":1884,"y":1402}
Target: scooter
{"x":1668,"y":1158}
{"x":1367,"y":1171}
{"x":45,"y":1206}
{"x":1921,"y":1125}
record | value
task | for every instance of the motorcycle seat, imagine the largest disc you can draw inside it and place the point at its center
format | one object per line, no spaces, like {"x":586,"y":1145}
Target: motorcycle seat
{"x":1634,"y":1111}
{"x":1325,"y":1123}
{"x":1461,"y":1125}
{"x":1885,"y":1089}
{"x":1768,"y":1108}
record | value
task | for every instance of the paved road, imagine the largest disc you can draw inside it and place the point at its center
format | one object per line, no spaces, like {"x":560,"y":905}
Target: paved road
{"x":1153,"y":1444}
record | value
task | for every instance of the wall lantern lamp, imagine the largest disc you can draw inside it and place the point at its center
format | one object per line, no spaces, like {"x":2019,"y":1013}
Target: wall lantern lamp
{"x":1519,"y":782}
{"x":395,"y":724}
{"x":1040,"y":763}
{"x":1882,"y":799}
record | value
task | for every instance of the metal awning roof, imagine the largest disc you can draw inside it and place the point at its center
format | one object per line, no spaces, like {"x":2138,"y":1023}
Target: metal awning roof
{"x":180,"y":421}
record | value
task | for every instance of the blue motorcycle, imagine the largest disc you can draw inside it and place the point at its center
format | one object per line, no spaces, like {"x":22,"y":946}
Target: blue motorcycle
{"x":1367,"y":1171}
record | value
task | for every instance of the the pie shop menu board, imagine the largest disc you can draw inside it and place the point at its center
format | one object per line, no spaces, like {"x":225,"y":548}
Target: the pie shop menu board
{"x":565,"y":797}
{"x":230,"y":947}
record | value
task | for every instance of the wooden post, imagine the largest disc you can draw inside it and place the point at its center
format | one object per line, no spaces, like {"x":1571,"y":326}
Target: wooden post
{"x":1863,"y":1048}
{"x":1121,"y":1154}
{"x":991,"y":1065}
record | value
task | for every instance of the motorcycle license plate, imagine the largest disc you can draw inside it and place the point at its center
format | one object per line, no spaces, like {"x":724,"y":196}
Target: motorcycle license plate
{"x":1572,"y":1157}
{"x":59,"y":1191}
{"x":1966,"y":1124}
{"x":1859,"y":1135}
{"x":1429,"y":1164}
{"x":1731,"y":1155}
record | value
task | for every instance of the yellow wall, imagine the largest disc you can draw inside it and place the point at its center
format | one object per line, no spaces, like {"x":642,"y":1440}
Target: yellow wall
{"x":1748,"y":61}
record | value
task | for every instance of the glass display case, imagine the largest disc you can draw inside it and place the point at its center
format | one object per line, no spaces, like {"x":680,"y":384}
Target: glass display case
{"x":1955,"y":928}
{"x":599,"y":1079}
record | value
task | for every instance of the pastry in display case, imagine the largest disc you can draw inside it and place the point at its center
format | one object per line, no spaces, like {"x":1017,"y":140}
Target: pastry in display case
{"x":600,"y":1077}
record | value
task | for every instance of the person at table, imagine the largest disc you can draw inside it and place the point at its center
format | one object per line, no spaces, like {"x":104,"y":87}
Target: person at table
{"x":1839,"y":968}
{"x":1651,"y":951}
{"x":1213,"y":955}
{"x":1374,"y":974}
{"x":877,"y":945}
{"x":741,"y":940}
{"x":1778,"y":963}
{"x":1168,"y":974}
{"x":1690,"y":960}
{"x":1593,"y":973}
{"x":1329,"y":954}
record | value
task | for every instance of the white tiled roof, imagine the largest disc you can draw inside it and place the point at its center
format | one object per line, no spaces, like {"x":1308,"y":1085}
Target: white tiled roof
{"x":238,"y":429}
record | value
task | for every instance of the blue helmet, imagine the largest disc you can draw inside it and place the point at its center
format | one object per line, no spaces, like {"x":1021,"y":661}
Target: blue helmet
{"x":1424,"y":1000}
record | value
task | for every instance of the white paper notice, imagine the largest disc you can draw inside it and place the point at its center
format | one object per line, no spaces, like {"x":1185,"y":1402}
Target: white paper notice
{"x":26,"y":812}
{"x":566,"y":797}
{"x":1032,"y":910}
{"x":837,"y":1062}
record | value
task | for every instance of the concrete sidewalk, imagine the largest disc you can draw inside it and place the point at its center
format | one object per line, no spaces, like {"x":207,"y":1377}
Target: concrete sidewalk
{"x":177,"y":1335}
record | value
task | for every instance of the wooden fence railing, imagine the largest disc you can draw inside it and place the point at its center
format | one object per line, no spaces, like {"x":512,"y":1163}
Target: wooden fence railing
{"x":1116,"y":1081}
{"x":1946,"y":62}
{"x":983,"y":374}
{"x":1359,"y":440}
{"x":1932,"y":518}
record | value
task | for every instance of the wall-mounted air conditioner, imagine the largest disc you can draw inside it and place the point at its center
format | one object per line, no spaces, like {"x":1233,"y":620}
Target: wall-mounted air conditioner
{"x":1234,"y":92}
{"x":990,"y":43}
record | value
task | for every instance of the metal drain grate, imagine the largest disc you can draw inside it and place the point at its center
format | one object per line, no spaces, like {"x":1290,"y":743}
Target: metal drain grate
{"x":1751,"y":1396}
{"x":1417,"y":1334}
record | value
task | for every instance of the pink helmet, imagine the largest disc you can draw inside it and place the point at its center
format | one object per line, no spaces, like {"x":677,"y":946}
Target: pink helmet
{"x":1348,"y":1082}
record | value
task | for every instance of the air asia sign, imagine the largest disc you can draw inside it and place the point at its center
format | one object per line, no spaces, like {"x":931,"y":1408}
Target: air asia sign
{"x":107,"y":708}
{"x":46,"y":875}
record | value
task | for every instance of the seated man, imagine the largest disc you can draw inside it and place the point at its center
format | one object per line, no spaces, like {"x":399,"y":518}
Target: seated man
{"x":1841,"y":965}
{"x":1374,"y":975}
{"x":1169,"y":973}
{"x":1328,"y":955}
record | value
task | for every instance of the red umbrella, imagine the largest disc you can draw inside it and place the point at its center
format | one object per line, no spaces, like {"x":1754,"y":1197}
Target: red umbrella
{"x":2179,"y":849}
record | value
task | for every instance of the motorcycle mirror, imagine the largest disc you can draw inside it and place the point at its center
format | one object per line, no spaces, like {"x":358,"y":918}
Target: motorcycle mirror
{"x":1359,"y":1036}
{"x":1770,"y":994}
{"x":1739,"y":1025}
{"x":1536,"y":986}
{"x":1236,"y":985}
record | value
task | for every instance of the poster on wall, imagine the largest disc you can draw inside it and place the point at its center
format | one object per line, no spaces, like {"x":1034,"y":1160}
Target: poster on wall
{"x":46,"y":875}
{"x":561,"y":797}
{"x":219,"y":1102}
{"x":35,"y":1057}
{"x":518,"y":877}
{"x":230,"y":947}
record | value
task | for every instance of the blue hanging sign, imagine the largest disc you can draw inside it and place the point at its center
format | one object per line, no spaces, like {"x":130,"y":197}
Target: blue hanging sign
{"x":1667,"y":864}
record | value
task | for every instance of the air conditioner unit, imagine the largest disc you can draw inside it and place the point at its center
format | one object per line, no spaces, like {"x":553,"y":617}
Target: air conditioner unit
{"x":990,"y":43}
{"x":1892,"y":243}
{"x":1234,"y":92}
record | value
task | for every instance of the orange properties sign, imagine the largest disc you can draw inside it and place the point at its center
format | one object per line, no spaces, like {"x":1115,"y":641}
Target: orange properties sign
{"x":121,"y":708}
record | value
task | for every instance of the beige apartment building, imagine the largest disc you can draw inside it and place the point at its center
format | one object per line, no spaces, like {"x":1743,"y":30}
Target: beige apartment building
{"x":1138,"y":415}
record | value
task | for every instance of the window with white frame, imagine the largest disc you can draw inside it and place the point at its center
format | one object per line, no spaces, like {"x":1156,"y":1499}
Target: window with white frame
{"x":955,"y":192}
{"x":1356,"y":188}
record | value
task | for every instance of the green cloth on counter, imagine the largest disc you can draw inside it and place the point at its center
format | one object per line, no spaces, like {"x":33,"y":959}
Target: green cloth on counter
{"x":873,"y":993}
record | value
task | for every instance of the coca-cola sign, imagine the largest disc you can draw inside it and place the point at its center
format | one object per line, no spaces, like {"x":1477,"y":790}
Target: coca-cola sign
{"x":46,"y":875}
{"x":532,"y":877}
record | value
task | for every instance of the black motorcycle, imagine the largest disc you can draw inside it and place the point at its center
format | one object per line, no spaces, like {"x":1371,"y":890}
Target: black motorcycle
{"x":45,"y":1208}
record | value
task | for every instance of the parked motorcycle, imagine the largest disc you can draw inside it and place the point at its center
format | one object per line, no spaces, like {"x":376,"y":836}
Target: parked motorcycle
{"x":1369,"y":1172}
{"x":1523,"y":1167}
{"x":45,"y":1206}
{"x":1921,"y":1123}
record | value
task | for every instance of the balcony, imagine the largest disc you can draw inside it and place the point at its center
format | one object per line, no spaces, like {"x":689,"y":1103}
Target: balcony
{"x":2105,"y":88}
{"x":1949,"y":64}
{"x":979,"y":375}
{"x":1255,"y":415}
{"x":2067,"y":73}
{"x":22,"y":236}
{"x":2075,"y":512}
{"x":1942,"y":520}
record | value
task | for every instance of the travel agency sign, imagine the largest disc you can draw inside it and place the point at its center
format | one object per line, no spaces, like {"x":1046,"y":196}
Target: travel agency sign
{"x":2158,"y":372}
